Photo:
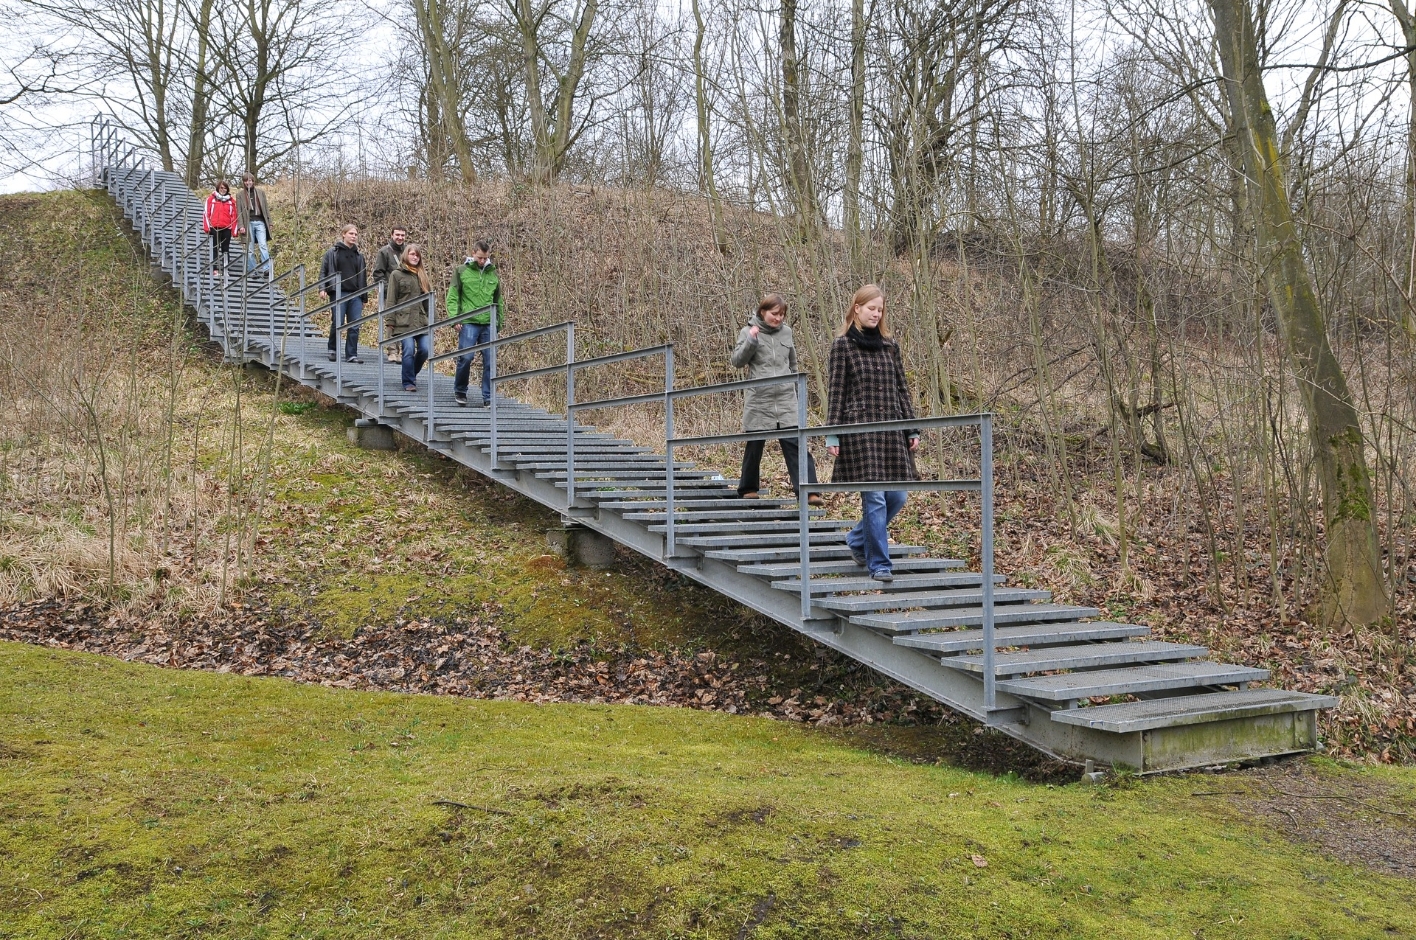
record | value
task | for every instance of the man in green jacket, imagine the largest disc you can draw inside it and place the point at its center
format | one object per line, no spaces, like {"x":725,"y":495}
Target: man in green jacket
{"x":475,"y":289}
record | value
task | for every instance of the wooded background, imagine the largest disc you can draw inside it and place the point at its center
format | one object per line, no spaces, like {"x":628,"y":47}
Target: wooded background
{"x":1174,"y":246}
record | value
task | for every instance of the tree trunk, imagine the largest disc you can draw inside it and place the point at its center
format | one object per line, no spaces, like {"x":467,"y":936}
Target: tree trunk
{"x":799,"y":186}
{"x":201,"y":96}
{"x":446,"y":90}
{"x":855,"y":150}
{"x":1356,"y":590}
{"x":705,"y":137}
{"x":1407,"y":19}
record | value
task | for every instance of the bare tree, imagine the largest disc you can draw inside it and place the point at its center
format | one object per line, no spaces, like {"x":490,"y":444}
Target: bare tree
{"x":1358,"y":590}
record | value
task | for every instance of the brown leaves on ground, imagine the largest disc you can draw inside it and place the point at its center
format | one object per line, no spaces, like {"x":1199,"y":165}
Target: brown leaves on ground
{"x":466,"y":656}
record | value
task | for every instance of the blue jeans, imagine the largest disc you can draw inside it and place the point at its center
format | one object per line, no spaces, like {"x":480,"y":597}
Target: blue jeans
{"x":351,"y":309}
{"x":870,"y":536}
{"x":474,"y":334}
{"x":256,"y":244}
{"x":416,"y":350}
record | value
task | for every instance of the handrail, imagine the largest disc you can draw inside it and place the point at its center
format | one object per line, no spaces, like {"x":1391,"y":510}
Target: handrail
{"x":983,"y":485}
{"x":492,"y":344}
{"x":420,"y":300}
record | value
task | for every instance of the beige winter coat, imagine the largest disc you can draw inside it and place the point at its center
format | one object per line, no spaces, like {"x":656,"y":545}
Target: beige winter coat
{"x":772,"y":352}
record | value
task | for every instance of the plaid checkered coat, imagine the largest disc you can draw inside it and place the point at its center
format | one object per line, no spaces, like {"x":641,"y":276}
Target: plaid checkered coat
{"x":869,"y":385}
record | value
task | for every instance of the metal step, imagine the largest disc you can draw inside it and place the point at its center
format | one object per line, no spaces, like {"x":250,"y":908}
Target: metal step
{"x":1082,"y":656}
{"x":815,"y":525}
{"x":764,"y":540}
{"x":1133,"y":680}
{"x":847,"y":567}
{"x":917,"y":620}
{"x":1191,"y":710}
{"x":734,"y":512}
{"x":728,"y":503}
{"x":902,"y":583}
{"x":963,"y":597}
{"x":791,"y":553}
{"x":1033,"y":635}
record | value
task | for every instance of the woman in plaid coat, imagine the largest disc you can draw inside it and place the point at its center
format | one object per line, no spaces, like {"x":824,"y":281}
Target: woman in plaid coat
{"x":868,"y":384}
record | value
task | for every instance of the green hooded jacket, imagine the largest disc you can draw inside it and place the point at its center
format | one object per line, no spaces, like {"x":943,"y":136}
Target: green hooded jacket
{"x":473,"y":288}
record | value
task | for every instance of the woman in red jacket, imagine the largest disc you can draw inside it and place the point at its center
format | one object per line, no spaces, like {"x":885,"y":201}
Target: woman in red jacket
{"x":221,"y":221}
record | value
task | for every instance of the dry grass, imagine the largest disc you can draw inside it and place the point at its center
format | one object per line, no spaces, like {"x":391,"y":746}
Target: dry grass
{"x":123,"y":453}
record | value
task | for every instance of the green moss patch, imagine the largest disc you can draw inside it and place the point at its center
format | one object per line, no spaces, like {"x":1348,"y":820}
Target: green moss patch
{"x":143,"y":802}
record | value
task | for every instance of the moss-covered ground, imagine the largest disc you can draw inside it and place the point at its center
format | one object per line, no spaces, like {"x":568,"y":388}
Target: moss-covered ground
{"x":142,"y":802}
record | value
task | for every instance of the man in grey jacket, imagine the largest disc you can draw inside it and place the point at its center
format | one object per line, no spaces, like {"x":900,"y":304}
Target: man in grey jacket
{"x":388,"y":260}
{"x":765,"y":347}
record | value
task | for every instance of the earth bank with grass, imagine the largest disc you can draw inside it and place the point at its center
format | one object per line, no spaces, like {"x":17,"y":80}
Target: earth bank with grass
{"x":146,"y":802}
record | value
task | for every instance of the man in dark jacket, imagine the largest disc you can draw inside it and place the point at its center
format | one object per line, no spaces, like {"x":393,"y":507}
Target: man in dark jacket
{"x":344,"y":265}
{"x":388,"y":260}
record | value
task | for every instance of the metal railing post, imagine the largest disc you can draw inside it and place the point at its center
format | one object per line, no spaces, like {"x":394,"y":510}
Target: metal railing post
{"x":669,"y":541}
{"x":334,"y":313}
{"x":383,"y":356}
{"x":985,"y":433}
{"x":489,"y":362}
{"x":301,"y":322}
{"x":803,"y":504}
{"x":432,"y":370}
{"x":569,"y":436}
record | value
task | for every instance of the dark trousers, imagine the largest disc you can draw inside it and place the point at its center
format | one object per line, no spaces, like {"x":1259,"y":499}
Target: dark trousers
{"x":351,"y":309}
{"x":220,"y":247}
{"x":751,"y":478}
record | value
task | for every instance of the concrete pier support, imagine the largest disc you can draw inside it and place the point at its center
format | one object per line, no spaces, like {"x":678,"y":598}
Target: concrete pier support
{"x":581,"y":546}
{"x":371,"y":435}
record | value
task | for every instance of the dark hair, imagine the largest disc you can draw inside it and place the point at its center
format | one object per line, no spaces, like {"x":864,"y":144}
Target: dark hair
{"x":483,"y":245}
{"x":399,"y":228}
{"x":248,"y":176}
{"x":222,"y":184}
{"x":771,"y":302}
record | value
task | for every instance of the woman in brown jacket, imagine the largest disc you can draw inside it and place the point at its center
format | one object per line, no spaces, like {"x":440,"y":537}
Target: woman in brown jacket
{"x":406,"y":282}
{"x":868,"y":384}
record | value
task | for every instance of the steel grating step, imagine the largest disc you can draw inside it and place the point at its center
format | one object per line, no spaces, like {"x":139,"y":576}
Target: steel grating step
{"x":729,"y":503}
{"x":816,"y":525}
{"x":1192,"y":710}
{"x":915,"y":621}
{"x":1032,"y":635}
{"x":734,"y":512}
{"x":763,"y":540}
{"x":962,"y":597}
{"x":791,"y":553}
{"x":847,"y":567}
{"x":1131,"y":680}
{"x":902,"y":582}
{"x":1081,"y":656}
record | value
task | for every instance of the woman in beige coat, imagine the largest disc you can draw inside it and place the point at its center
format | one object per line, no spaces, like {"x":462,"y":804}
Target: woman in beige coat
{"x":765,"y":348}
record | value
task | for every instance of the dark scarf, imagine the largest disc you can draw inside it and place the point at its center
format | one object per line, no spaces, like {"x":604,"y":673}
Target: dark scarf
{"x":866,"y":339}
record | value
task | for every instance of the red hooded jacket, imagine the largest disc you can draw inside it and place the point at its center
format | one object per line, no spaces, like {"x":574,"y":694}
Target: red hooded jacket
{"x":220,"y":213}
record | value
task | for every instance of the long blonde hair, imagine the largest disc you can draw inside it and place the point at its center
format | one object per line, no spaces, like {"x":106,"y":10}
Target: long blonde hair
{"x":862,"y":297}
{"x":422,"y":274}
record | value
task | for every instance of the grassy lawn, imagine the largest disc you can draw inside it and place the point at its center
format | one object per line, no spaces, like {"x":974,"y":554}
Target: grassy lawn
{"x":143,"y":802}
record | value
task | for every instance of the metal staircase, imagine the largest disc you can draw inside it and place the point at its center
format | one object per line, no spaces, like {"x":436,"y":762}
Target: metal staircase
{"x":1047,"y":674}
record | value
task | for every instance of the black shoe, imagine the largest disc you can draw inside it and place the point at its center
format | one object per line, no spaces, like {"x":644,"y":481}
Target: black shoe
{"x":486,"y":403}
{"x":884,"y":577}
{"x":460,"y":398}
{"x":857,"y":556}
{"x":355,"y":359}
{"x":331,"y":357}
